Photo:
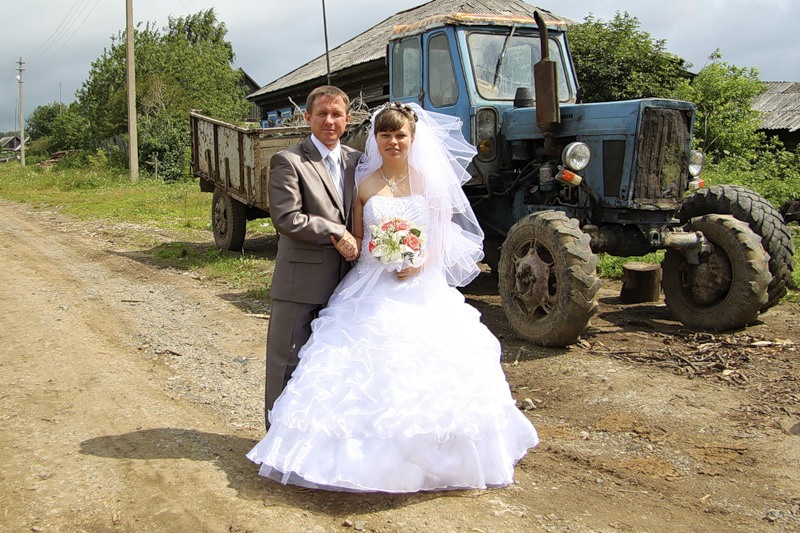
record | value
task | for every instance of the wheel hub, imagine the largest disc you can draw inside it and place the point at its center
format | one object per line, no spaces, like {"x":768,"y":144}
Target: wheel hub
{"x":531,"y":280}
{"x":713,"y":279}
{"x":221,"y":217}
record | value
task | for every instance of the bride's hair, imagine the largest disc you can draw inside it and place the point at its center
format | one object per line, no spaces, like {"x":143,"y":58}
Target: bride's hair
{"x":394,"y":116}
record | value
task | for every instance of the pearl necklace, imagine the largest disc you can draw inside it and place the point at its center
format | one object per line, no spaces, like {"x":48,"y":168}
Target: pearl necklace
{"x":392,"y":184}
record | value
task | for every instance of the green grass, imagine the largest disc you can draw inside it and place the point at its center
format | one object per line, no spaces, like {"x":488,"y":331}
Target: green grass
{"x":99,"y":193}
{"x":134,"y":210}
{"x":104,"y":194}
{"x":610,"y":266}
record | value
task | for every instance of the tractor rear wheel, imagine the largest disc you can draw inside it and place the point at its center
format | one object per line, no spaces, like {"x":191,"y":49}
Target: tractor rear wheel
{"x":761,"y":216}
{"x":728,"y":287}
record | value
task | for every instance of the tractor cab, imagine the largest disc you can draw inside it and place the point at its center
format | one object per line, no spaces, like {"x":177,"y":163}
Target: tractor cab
{"x":471,"y":66}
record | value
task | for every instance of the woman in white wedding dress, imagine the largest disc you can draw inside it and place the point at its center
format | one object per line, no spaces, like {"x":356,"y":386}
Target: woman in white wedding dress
{"x":400,"y":388}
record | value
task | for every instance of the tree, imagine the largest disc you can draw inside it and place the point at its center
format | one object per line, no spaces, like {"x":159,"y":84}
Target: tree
{"x":103,"y":96}
{"x":616,"y":61}
{"x":39,"y":123}
{"x":187,"y":65}
{"x":70,"y":130}
{"x":726,"y":122}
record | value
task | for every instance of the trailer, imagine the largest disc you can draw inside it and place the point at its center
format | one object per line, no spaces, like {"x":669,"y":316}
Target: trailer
{"x":233,"y":163}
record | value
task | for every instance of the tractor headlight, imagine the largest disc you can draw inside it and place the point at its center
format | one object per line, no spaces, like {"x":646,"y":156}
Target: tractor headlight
{"x":576,"y":156}
{"x":696,"y":162}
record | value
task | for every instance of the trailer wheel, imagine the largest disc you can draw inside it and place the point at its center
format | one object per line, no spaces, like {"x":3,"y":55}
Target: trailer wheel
{"x":228,"y":221}
{"x":728,"y":287}
{"x":761,"y":216}
{"x":548,"y":279}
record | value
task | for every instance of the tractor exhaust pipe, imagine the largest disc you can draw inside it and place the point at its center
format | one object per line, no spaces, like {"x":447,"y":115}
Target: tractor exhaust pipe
{"x":545,"y":82}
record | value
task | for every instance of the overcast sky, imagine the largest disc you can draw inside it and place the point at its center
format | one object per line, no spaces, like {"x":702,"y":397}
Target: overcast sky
{"x":58,"y":39}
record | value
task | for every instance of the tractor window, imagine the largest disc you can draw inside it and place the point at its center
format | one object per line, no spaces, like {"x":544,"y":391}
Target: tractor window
{"x":496,"y":77}
{"x":442,"y":89}
{"x":406,"y":68}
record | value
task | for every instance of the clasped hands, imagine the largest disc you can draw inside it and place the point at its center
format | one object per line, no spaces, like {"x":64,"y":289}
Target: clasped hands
{"x":347,"y":246}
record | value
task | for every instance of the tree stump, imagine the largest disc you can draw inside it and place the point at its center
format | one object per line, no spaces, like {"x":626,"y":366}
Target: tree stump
{"x":641,"y":282}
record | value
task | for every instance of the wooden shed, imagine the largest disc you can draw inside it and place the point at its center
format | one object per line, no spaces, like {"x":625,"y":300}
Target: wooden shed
{"x":10,"y":143}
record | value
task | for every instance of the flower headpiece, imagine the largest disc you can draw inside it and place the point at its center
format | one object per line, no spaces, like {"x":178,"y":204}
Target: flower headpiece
{"x":402,"y":108}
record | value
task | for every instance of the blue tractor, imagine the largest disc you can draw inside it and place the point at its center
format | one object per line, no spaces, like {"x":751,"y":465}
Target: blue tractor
{"x":557,"y":181}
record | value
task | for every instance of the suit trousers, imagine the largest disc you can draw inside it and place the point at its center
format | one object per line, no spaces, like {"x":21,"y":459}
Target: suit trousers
{"x":289,"y":329}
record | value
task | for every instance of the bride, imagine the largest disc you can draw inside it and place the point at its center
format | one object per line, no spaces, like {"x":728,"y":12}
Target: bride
{"x":400,"y":388}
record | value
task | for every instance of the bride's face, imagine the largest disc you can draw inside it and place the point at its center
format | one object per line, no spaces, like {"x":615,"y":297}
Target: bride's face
{"x":394,"y":145}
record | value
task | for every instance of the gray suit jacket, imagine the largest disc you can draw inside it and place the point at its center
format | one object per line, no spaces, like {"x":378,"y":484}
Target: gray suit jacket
{"x":306,"y":210}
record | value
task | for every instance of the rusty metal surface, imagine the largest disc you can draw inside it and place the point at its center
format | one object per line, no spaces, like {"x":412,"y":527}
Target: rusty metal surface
{"x":544,"y":77}
{"x":228,"y":158}
{"x":662,"y":159}
{"x":236,"y":159}
{"x":204,"y":166}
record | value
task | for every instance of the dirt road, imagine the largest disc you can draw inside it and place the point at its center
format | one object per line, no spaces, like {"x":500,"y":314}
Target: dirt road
{"x":130,"y":394}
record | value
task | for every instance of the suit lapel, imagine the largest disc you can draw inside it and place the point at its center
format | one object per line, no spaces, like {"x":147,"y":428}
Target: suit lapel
{"x":350,"y":162}
{"x":315,"y":159}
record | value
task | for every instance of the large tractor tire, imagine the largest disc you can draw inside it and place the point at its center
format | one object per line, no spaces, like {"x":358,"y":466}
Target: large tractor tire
{"x":728,"y":288}
{"x":228,"y":221}
{"x":763,"y":219}
{"x":548,"y":279}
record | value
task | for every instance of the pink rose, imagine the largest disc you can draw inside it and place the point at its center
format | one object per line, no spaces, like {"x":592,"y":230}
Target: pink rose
{"x":401,"y":225}
{"x":412,"y":241}
{"x":371,"y":246}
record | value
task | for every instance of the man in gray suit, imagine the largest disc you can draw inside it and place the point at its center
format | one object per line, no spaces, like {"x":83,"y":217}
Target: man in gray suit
{"x":311,"y":190}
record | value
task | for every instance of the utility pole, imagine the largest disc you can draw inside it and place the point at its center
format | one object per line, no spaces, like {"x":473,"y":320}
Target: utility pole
{"x":325,"y":29}
{"x":133,"y":142}
{"x":21,"y":115}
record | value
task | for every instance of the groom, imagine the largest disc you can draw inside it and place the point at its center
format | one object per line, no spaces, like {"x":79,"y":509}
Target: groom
{"x":311,"y":189}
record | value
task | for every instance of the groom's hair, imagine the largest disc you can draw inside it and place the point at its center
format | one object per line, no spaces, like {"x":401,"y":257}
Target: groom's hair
{"x":327,"y":91}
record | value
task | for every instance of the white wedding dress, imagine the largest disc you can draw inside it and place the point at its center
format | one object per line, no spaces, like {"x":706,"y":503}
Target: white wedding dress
{"x":399,"y":388}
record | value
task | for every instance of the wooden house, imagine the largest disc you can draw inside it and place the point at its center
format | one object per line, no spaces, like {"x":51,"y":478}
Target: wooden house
{"x":250,"y":86}
{"x":780,"y":108}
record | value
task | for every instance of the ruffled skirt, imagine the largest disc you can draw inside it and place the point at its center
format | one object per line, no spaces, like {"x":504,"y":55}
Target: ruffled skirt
{"x":397,"y":390}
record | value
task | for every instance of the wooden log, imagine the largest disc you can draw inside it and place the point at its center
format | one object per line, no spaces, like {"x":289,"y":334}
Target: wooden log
{"x":641,"y":282}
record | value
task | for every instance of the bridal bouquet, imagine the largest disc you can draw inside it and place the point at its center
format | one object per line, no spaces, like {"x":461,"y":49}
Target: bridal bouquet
{"x":397,"y":242}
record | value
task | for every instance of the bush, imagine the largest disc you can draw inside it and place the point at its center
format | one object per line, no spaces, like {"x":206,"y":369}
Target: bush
{"x":774,"y":174}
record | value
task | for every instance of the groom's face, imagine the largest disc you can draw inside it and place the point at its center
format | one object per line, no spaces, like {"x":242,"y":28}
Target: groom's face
{"x":328,"y":118}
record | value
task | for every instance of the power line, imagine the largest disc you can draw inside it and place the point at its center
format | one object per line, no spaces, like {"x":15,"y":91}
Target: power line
{"x":62,"y":27}
{"x":59,"y":26}
{"x":184,"y":7}
{"x":78,"y":28}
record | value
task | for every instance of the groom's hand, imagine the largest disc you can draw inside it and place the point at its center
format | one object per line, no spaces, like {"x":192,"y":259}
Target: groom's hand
{"x":347,"y":246}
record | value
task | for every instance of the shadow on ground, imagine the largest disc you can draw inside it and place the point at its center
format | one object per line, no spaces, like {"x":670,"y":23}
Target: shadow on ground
{"x":227,"y":452}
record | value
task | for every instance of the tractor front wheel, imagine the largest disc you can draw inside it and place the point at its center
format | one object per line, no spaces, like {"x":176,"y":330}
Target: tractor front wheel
{"x":548,"y":279}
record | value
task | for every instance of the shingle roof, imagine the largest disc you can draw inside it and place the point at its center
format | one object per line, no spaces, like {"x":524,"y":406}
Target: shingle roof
{"x":780,"y":104}
{"x":371,"y":44}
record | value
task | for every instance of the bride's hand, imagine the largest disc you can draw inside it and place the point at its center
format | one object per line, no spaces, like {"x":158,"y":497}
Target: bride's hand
{"x":408,"y":272}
